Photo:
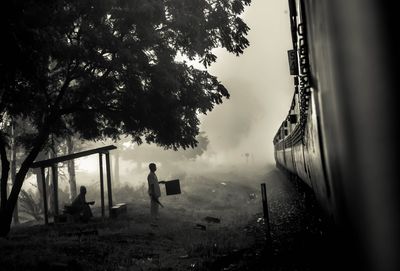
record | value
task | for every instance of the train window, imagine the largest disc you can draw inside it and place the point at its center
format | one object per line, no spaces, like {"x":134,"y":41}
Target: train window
{"x":296,"y":81}
{"x":292,"y":56}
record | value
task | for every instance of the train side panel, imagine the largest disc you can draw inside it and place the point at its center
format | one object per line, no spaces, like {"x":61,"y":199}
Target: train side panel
{"x":298,"y":153}
{"x":314,"y":159}
{"x":289,"y":160}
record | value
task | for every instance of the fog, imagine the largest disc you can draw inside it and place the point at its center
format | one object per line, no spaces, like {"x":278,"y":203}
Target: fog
{"x":238,"y":134}
{"x":261,"y":90}
{"x":260,"y":87}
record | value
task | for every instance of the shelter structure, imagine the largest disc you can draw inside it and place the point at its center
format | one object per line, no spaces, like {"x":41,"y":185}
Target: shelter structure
{"x":53,"y":164}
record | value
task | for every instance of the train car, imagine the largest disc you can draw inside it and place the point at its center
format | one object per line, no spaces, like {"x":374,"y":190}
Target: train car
{"x":338,"y":136}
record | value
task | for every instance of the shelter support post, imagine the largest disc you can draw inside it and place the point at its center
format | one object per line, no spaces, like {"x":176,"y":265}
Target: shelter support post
{"x":101,"y":184}
{"x":109,"y":188}
{"x":53,"y":164}
{"x":265,"y":210}
{"x":54,"y":173}
{"x":46,"y":218}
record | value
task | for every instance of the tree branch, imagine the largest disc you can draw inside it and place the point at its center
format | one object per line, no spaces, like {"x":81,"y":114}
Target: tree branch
{"x":63,"y":88}
{"x":76,"y":108}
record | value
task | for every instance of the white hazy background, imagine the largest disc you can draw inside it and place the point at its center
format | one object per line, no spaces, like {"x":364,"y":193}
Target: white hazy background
{"x":261,"y":90}
{"x":260,"y":86}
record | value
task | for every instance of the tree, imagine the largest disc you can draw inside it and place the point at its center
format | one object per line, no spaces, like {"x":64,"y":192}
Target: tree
{"x":73,"y":144}
{"x":30,"y":206}
{"x":71,"y":168}
{"x":12,"y":127}
{"x":14,"y":166}
{"x":147,"y":153}
{"x":109,"y":67}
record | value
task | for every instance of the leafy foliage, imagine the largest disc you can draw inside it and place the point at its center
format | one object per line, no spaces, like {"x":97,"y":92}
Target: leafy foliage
{"x":108,"y":67}
{"x":30,"y":206}
{"x":104,"y":68}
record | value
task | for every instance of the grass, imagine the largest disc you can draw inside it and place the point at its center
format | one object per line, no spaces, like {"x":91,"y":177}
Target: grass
{"x":129,"y":243}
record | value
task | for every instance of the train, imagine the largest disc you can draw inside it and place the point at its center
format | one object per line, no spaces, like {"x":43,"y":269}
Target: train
{"x":339,"y":135}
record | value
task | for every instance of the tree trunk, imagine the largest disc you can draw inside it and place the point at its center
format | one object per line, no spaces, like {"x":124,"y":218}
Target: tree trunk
{"x":71,"y":169}
{"x":6,"y":213}
{"x":13,"y":174}
{"x":14,"y":168}
{"x":116,"y":168}
{"x":38,"y":173}
{"x":49,"y":190}
{"x":5,"y":222}
{"x":49,"y":185}
{"x":5,"y":169}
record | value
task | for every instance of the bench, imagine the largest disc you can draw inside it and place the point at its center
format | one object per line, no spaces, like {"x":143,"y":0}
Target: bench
{"x":118,"y":209}
{"x":71,"y":214}
{"x":66,"y":216}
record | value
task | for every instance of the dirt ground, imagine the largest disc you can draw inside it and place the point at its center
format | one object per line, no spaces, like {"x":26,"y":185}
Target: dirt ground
{"x":184,"y":238}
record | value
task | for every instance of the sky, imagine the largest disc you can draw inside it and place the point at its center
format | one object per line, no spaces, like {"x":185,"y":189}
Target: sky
{"x":260,"y":86}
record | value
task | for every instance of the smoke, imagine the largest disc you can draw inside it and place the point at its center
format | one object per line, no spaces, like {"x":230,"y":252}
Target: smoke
{"x":260,"y":86}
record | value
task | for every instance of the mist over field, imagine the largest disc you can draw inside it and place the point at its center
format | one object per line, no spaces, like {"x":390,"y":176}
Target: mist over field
{"x":237,"y":135}
{"x":235,"y":140}
{"x":133,"y":169}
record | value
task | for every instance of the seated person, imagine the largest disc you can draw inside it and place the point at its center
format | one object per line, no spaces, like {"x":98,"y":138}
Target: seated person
{"x":80,"y":208}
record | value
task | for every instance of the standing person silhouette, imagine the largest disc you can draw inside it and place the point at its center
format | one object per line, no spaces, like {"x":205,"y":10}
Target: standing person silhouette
{"x":154,"y":193}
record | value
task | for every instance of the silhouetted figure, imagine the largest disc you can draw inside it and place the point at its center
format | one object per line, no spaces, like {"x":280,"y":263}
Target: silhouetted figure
{"x":154,"y":193}
{"x":80,"y":208}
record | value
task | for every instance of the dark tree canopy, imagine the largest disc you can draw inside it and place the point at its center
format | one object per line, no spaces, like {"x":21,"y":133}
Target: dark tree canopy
{"x":108,"y":67}
{"x":104,"y":68}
